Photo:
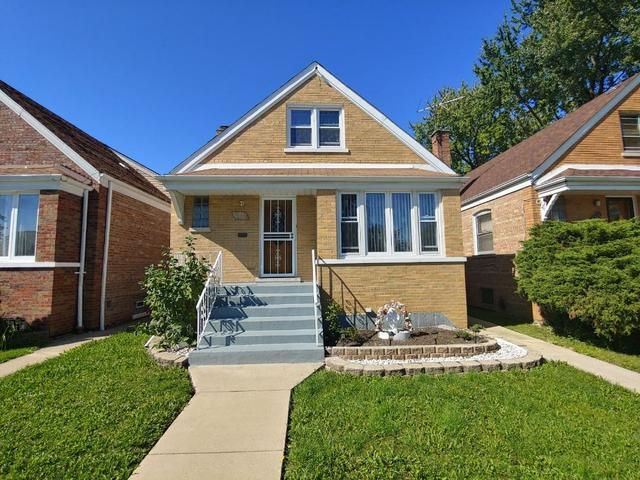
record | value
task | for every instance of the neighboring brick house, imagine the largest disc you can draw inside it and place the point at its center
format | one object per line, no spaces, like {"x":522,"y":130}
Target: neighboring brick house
{"x":68,"y":200}
{"x":317,"y":167}
{"x":586,"y":165}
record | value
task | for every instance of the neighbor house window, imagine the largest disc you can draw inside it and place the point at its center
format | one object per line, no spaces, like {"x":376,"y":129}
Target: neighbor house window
{"x":315,"y":128}
{"x":349,"y":223}
{"x":620,"y":208}
{"x":484,"y":232}
{"x":18,"y":226}
{"x":630,"y":131}
{"x":380,"y":223}
{"x":200,"y":217}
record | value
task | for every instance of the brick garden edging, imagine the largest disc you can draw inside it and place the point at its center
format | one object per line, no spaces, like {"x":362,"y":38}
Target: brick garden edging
{"x":338,"y":364}
{"x":413,"y":352}
{"x":166,"y":358}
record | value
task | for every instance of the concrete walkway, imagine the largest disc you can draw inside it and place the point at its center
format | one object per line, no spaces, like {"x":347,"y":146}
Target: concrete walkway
{"x":611,"y":373}
{"x":53,"y":349}
{"x":234,"y":427}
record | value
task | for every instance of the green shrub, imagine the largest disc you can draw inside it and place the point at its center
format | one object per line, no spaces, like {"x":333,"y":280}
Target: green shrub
{"x":331,"y":325}
{"x":587,"y":272}
{"x":172,"y":291}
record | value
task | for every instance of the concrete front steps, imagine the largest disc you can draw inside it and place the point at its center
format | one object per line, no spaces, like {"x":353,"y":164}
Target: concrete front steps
{"x":261,"y":323}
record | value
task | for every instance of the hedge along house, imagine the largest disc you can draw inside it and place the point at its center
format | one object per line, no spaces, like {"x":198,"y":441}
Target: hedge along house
{"x":585,"y":165}
{"x":79,"y":222}
{"x":316,"y":167}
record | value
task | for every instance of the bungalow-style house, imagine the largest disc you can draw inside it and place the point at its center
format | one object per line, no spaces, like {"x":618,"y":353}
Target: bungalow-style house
{"x":315,"y":167}
{"x":585,"y":165}
{"x":79,"y":222}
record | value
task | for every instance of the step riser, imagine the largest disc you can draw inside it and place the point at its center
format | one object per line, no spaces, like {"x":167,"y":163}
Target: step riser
{"x":218,"y":341}
{"x":221,"y":357}
{"x":258,"y":325}
{"x":258,"y":301}
{"x":230,"y":313}
{"x":257,"y":289}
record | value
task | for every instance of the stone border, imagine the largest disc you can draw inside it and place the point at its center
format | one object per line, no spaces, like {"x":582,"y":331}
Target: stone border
{"x":338,"y":364}
{"x":166,"y":358}
{"x":413,"y":352}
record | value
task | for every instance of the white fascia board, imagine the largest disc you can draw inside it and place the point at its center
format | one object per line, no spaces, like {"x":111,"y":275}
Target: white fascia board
{"x":135,"y":193}
{"x":50,"y":136}
{"x":203,"y":183}
{"x":21,"y":265}
{"x":589,"y":184}
{"x":273,"y":99}
{"x":500,"y":191}
{"x":585,"y":166}
{"x":298,"y":166}
{"x":390,"y":259}
{"x":616,"y":99}
{"x":28,"y":182}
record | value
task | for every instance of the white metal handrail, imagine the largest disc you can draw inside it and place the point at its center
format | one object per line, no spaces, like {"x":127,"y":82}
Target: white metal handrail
{"x":208,"y":296}
{"x":316,"y":299}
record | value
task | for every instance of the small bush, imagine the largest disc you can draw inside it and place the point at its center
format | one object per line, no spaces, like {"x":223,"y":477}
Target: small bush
{"x":331,"y":325}
{"x":587,"y":272}
{"x":172,"y":291}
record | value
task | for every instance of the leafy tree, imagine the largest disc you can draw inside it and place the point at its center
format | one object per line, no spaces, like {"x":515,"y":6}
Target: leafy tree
{"x":588,"y":271}
{"x":545,"y":60}
{"x":173,"y":287}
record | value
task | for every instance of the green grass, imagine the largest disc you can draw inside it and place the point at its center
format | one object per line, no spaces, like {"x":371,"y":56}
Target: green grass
{"x":11,"y":353}
{"x":546,"y":333}
{"x":553,"y":422}
{"x":92,"y":413}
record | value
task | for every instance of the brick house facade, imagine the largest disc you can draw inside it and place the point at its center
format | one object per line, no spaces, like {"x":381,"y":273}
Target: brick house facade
{"x":381,"y":212}
{"x":55,"y":182}
{"x":586,"y":165}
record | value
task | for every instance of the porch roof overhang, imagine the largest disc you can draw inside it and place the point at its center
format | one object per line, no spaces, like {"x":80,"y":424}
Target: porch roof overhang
{"x":180,"y":186}
{"x":590,"y":184}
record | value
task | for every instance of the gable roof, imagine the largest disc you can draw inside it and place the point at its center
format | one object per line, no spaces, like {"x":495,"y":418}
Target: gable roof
{"x":91,"y":155}
{"x":540,"y":151}
{"x":312,"y":70}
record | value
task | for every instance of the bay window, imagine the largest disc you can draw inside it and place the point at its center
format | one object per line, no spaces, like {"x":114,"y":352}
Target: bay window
{"x":388,"y":223}
{"x":18,"y":226}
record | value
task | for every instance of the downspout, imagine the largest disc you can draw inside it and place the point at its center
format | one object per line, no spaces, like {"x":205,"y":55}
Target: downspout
{"x":83,"y":248}
{"x":105,"y":255}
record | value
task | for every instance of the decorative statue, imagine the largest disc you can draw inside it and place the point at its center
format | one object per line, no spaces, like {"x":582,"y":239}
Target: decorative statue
{"x":397,"y":318}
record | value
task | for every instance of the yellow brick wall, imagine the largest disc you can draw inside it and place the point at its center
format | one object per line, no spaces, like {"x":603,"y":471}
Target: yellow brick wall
{"x":265,"y":140}
{"x":422,"y":287}
{"x":452,"y":223}
{"x":604,"y":144}
{"x":306,"y":220}
{"x":326,"y":227}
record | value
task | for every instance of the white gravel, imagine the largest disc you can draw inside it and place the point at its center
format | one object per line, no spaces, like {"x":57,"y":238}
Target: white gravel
{"x":507,"y":350}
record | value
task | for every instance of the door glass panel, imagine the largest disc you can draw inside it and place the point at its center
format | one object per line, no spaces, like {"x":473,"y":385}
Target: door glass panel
{"x":376,"y":224}
{"x":401,"y":204}
{"x":278,"y":237}
{"x":26,"y":225}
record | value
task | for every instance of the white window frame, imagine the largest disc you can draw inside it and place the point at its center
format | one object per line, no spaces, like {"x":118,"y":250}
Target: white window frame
{"x":637,"y":119}
{"x":206,"y":228}
{"x":12,"y":257}
{"x":315,"y":128}
{"x":475,"y":217}
{"x":416,"y":243}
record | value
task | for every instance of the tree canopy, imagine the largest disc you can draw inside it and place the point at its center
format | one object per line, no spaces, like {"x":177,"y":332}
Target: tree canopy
{"x":546,"y":59}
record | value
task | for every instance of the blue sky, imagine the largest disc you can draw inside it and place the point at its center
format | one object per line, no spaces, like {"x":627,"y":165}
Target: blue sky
{"x":154,"y":79}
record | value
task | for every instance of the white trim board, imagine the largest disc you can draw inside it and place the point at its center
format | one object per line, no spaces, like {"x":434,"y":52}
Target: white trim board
{"x":135,"y":193}
{"x":302,"y":166}
{"x":18,"y":264}
{"x":585,"y":166}
{"x":401,"y":259}
{"x":500,"y":192}
{"x":590,"y":184}
{"x":314,"y":69}
{"x":37,"y":182}
{"x":50,"y":136}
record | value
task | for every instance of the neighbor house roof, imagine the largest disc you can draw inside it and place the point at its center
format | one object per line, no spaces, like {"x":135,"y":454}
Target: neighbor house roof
{"x":545,"y":146}
{"x":99,"y":156}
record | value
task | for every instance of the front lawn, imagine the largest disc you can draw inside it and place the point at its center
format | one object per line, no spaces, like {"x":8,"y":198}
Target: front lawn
{"x":94,"y":412}
{"x":552,"y":422}
{"x":546,"y":333}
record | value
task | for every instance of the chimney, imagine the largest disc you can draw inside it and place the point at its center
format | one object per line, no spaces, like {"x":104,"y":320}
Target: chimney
{"x":440,"y":146}
{"x":221,"y":129}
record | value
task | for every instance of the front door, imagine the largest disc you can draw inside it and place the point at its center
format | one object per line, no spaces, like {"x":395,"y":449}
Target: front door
{"x":278,"y":242}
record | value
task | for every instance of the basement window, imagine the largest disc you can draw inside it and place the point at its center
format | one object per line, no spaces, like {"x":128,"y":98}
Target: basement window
{"x":18,"y":226}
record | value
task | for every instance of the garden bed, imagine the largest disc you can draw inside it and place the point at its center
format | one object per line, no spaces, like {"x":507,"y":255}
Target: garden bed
{"x":425,"y":336}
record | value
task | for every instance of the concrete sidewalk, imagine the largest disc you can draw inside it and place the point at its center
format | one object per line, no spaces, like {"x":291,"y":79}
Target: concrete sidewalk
{"x":611,"y":373}
{"x":234,"y":427}
{"x":53,"y":349}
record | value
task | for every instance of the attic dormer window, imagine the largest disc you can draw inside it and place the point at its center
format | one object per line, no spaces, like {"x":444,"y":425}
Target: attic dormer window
{"x":630,"y":132}
{"x":317,"y":128}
